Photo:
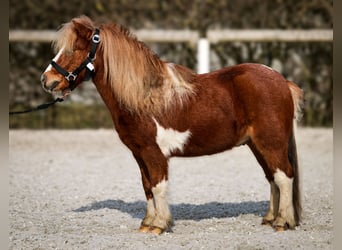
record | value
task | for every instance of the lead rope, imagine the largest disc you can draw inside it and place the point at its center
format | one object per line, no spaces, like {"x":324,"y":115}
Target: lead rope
{"x":39,"y":107}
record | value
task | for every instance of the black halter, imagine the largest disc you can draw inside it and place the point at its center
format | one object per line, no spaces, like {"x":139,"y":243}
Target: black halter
{"x":86,"y":64}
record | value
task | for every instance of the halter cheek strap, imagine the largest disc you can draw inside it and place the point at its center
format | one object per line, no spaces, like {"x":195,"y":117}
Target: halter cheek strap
{"x":86,"y":64}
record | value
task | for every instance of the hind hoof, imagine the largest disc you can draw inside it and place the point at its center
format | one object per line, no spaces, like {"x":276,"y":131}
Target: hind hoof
{"x":267,"y":222}
{"x":144,"y":229}
{"x":279,"y":228}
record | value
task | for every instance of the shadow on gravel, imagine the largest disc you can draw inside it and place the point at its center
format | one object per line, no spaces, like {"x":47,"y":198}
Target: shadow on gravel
{"x":184,"y":211}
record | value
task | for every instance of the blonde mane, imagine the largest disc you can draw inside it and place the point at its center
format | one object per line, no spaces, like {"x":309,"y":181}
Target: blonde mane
{"x":139,"y":79}
{"x":141,"y":82}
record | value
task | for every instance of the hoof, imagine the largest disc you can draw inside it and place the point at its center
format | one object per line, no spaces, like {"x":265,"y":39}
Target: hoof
{"x":152,"y":230}
{"x":266,"y":222}
{"x":279,"y":228}
{"x":156,"y":230}
{"x":144,"y":229}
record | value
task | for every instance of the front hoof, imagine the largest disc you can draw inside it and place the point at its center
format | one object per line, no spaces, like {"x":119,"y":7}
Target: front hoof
{"x":144,"y":229}
{"x":156,"y":230}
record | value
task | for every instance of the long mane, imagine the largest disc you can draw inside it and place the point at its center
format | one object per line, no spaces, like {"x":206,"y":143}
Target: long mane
{"x":140,"y":80}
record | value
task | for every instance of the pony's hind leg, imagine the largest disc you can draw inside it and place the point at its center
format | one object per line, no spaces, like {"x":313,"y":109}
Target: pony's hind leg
{"x":279,"y":173}
{"x":285,"y":217}
{"x":272,"y":212}
{"x":273,"y":207}
{"x":286,"y":177}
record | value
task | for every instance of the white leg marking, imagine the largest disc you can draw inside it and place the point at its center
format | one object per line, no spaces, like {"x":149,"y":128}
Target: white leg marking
{"x":169,"y":139}
{"x":286,"y":211}
{"x":150,"y":213}
{"x":274,"y":204}
{"x":163,"y":214}
{"x":274,"y":200}
{"x":55,"y":59}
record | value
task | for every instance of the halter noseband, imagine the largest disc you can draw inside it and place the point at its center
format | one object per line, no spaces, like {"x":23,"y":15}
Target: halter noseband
{"x":86,"y":64}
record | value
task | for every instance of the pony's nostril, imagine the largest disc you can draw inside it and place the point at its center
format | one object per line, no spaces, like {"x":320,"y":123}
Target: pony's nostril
{"x":53,"y":85}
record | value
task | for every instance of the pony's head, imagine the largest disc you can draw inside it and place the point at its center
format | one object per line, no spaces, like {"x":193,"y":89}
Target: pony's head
{"x":76,"y":46}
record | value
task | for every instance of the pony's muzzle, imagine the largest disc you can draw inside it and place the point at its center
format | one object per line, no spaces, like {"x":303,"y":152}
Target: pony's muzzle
{"x":48,"y":86}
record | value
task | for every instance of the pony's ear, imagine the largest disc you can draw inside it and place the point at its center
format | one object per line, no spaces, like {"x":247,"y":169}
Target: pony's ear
{"x":83,"y":26}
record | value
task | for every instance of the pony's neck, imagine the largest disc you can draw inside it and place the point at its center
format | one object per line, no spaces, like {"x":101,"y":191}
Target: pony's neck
{"x":140,"y":81}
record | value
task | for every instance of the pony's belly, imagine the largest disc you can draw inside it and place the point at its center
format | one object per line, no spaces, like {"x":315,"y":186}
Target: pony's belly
{"x":207,"y":145}
{"x":194,"y":142}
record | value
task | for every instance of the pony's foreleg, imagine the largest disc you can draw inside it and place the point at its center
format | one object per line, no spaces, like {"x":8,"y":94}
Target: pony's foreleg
{"x":274,"y":205}
{"x":150,"y":209}
{"x":146,"y":223}
{"x":162,"y":220}
{"x":155,"y":181}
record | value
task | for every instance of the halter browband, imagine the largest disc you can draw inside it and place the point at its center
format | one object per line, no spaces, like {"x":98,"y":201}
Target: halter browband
{"x":86,"y":64}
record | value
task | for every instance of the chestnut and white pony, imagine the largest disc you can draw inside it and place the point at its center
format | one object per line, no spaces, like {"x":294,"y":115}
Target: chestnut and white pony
{"x":161,"y":110}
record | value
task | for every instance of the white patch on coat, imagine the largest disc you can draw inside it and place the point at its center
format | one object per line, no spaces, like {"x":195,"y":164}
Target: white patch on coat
{"x":169,"y":139}
{"x":285,"y":185}
{"x":55,"y":59}
{"x":163,"y":214}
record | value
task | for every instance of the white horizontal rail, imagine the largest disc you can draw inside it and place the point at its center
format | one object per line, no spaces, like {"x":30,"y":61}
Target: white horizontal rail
{"x":144,"y":35}
{"x":167,"y":35}
{"x":316,"y":35}
{"x":32,"y":35}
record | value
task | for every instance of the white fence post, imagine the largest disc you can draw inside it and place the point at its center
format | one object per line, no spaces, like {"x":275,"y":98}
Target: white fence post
{"x":203,"y":49}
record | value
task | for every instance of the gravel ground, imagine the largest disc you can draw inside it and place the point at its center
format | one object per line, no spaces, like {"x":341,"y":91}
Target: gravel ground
{"x":81,"y":189}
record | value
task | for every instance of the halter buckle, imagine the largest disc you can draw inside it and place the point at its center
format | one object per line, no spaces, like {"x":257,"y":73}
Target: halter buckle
{"x":71,"y":77}
{"x":96,"y":38}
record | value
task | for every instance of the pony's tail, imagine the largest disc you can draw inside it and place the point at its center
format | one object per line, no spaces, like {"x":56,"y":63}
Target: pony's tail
{"x":296,"y":194}
{"x":297,"y":96}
